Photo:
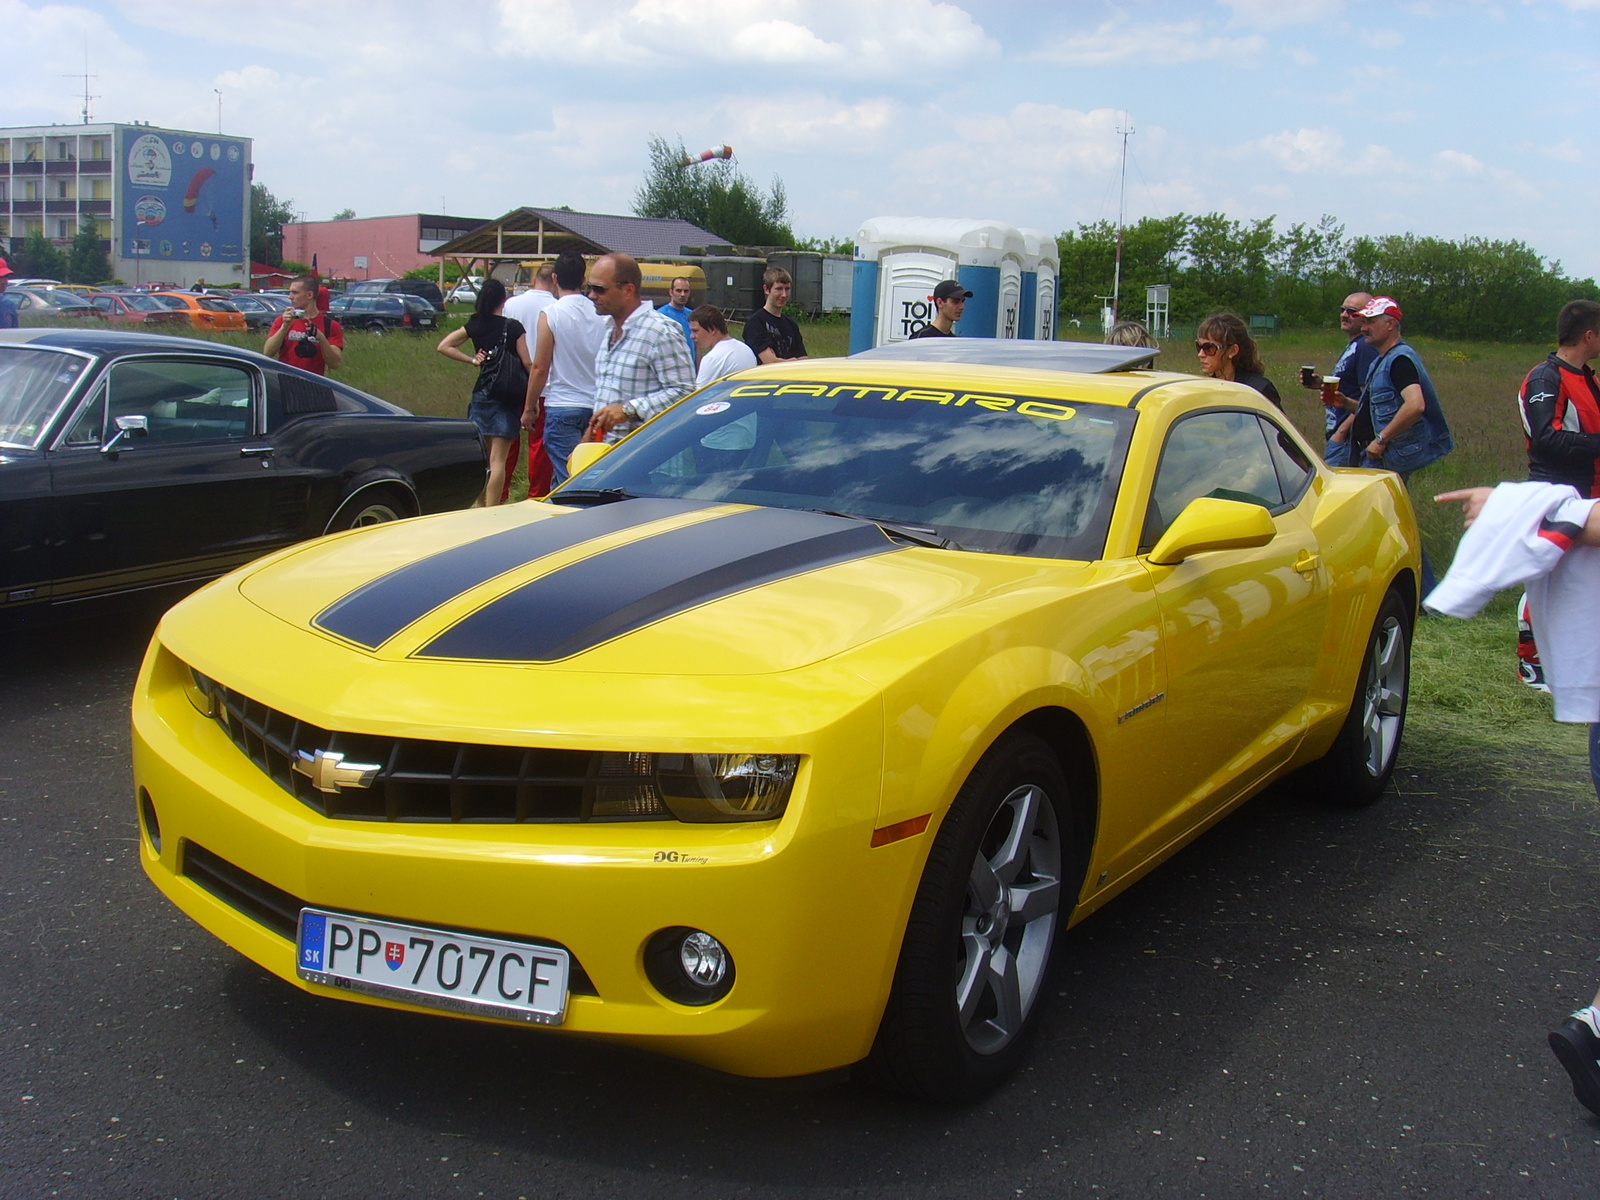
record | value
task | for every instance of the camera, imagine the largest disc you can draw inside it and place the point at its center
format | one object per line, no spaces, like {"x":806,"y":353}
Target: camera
{"x":306,"y":347}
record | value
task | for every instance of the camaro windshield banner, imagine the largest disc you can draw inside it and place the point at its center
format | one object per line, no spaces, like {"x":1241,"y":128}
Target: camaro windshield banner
{"x":183,"y":196}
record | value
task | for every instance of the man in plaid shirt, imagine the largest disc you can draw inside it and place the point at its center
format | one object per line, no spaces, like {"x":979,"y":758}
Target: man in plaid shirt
{"x":644,"y":365}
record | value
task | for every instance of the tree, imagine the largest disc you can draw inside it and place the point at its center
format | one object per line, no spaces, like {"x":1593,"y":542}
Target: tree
{"x":345,"y":214}
{"x":822,"y":245}
{"x":39,"y":259}
{"x":268,"y":215}
{"x":715,"y":196}
{"x":86,"y":260}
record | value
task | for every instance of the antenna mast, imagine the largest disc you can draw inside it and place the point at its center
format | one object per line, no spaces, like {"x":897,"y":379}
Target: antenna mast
{"x":1122,"y":203}
{"x":85,"y":76}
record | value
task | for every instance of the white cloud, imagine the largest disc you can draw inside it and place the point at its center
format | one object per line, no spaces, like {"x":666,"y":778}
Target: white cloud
{"x":873,"y":37}
{"x":1273,"y":14}
{"x":1383,"y":39}
{"x":1122,"y":42}
{"x":1455,"y":163}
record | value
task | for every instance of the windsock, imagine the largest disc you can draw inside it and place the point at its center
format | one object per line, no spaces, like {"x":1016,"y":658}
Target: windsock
{"x":708,"y":155}
{"x":192,"y":196}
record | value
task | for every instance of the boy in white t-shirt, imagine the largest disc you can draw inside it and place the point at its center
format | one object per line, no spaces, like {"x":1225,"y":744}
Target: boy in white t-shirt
{"x":719,"y":354}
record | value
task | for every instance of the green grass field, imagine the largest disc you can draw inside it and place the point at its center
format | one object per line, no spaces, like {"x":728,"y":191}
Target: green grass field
{"x":1468,"y":710}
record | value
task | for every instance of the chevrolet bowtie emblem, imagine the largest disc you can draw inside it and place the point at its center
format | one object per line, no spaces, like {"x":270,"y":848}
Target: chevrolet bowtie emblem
{"x":330,"y":773}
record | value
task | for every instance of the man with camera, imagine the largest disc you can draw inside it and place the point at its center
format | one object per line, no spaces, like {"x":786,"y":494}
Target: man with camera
{"x":304,"y":337}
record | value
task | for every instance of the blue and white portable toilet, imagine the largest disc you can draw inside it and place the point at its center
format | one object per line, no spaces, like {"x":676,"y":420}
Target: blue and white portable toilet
{"x":1041,"y":295}
{"x":900,"y":260}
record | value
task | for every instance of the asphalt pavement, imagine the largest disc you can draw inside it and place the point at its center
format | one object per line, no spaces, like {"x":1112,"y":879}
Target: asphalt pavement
{"x":1307,"y":1002}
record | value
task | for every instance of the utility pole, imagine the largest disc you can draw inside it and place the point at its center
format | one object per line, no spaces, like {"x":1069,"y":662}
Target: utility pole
{"x":1122,"y":204}
{"x":218,"y":91}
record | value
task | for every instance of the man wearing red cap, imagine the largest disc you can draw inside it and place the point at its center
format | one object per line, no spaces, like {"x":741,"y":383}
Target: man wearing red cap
{"x":8,"y":306}
{"x":1399,"y":424}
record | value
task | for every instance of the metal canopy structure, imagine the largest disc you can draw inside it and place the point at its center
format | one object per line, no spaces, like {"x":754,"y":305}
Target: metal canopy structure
{"x":525,"y":233}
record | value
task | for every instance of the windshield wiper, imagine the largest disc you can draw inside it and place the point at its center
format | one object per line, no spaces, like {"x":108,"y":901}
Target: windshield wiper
{"x":585,"y":496}
{"x":921,"y":535}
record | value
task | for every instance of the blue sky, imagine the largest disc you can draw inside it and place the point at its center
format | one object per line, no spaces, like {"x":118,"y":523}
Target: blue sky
{"x":1451,"y":119}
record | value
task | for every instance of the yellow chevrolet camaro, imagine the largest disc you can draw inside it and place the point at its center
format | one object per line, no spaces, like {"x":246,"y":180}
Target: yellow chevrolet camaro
{"x":794,"y":730}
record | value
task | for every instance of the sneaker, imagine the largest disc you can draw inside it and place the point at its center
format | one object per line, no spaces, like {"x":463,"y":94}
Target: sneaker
{"x":1578,"y":1050}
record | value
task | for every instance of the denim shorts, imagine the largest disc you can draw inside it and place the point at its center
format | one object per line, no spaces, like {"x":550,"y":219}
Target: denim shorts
{"x":495,"y":418}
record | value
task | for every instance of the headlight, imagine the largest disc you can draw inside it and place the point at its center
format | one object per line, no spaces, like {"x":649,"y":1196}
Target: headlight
{"x":726,"y":787}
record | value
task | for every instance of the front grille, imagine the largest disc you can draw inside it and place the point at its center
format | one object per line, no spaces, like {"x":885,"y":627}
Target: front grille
{"x":422,"y":780}
{"x":280,"y":912}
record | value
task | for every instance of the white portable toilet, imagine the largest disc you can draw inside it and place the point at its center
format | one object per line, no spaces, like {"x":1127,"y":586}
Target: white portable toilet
{"x":900,"y":260}
{"x":1040,"y":317}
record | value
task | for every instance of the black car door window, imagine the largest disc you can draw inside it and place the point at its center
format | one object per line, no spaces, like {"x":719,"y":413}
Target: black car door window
{"x":1294,"y":469}
{"x":183,"y":401}
{"x":1218,"y":454}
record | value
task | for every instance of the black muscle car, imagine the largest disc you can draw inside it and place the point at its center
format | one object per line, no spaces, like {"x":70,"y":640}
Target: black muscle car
{"x":131,"y":461}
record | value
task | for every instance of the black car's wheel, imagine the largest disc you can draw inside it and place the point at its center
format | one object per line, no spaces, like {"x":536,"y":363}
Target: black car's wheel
{"x":1356,"y":769}
{"x":974,"y":967}
{"x":378,"y":506}
{"x":378,"y":329}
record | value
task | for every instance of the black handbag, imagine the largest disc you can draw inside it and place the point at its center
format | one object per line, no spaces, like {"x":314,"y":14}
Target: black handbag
{"x":506,"y":379}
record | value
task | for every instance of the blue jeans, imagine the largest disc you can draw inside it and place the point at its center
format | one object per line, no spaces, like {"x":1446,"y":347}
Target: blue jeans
{"x":564,"y":427}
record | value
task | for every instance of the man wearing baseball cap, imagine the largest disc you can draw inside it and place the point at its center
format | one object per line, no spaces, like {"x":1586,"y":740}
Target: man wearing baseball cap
{"x":949,"y":299}
{"x":8,"y":306}
{"x":1399,"y":424}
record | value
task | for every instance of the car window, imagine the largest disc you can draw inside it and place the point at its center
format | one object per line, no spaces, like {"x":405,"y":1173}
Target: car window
{"x":1011,"y":474}
{"x":183,"y":401}
{"x":389,"y":304}
{"x":211,"y":304}
{"x":142,"y":303}
{"x":342,"y":304}
{"x":1214,"y":454}
{"x":34,"y":384}
{"x":1294,"y":469}
{"x":105,"y":304}
{"x":170,"y":301}
{"x":89,"y":427}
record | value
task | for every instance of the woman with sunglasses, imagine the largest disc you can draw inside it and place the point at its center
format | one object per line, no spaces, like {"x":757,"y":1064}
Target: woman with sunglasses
{"x":1227,"y":351}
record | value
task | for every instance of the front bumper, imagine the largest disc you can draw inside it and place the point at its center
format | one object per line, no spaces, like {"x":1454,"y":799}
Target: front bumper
{"x":811,"y":913}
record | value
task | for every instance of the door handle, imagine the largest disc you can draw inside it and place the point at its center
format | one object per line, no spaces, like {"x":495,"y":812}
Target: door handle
{"x":255,"y":452}
{"x":1307,"y":562}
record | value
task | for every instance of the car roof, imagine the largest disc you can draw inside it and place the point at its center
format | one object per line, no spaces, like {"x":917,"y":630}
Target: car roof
{"x":1085,"y":357}
{"x":991,"y":370}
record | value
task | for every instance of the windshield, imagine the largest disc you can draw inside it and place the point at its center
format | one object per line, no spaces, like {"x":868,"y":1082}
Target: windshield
{"x":1003,"y":473}
{"x":33,"y":385}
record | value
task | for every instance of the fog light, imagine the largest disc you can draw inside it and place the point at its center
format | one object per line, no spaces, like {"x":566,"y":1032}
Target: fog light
{"x":148,"y":818}
{"x":688,"y":965}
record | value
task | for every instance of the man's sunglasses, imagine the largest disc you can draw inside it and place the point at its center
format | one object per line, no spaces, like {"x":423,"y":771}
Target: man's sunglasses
{"x":597,"y":289}
{"x":1348,"y":311}
{"x":1207,"y":348}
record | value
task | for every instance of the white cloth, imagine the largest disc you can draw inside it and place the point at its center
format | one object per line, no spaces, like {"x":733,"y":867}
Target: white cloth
{"x":526,"y":308}
{"x":726,"y":357}
{"x":579,"y":333}
{"x":1528,"y":534}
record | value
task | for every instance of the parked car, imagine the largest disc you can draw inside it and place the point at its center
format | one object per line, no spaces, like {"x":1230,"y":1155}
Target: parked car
{"x":466,"y":291}
{"x":796,"y":727}
{"x":205,"y":312}
{"x":50,"y":303}
{"x":129,"y":460}
{"x":425,"y":288}
{"x":132,"y":309}
{"x":380,"y":314}
{"x":258,"y":313}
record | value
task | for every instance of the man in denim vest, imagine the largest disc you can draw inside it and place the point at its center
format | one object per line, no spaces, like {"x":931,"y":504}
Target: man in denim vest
{"x":1399,"y":424}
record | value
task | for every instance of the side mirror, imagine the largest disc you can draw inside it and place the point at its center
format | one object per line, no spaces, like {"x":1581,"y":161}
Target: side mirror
{"x":127,"y":427}
{"x":585,"y":454}
{"x":1210,"y":524}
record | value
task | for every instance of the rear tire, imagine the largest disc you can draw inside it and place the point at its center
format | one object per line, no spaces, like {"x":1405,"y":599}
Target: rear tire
{"x":378,"y":506}
{"x":1356,"y":769}
{"x":974,"y":968}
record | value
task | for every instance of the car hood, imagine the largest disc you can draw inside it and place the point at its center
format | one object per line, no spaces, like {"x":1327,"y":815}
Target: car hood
{"x":640,"y":587}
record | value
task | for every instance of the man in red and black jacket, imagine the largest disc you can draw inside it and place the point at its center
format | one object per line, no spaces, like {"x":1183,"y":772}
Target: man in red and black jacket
{"x":1560,"y":403}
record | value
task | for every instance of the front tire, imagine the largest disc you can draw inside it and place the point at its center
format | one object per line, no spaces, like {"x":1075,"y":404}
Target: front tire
{"x":974,"y":967}
{"x":1356,"y":770}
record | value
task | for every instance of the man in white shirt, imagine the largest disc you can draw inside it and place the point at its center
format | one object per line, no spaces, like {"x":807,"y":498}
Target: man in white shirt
{"x":719,"y":354}
{"x":526,"y":306}
{"x":561,"y":382}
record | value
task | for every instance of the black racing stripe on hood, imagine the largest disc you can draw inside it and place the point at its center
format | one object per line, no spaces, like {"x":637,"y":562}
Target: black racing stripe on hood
{"x":590,"y":602}
{"x":376,"y":611}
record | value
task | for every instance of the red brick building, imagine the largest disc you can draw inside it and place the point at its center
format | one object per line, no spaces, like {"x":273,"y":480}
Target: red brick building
{"x":373,"y":247}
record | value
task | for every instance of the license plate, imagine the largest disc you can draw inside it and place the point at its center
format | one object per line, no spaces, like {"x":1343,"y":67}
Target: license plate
{"x":433,"y":967}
